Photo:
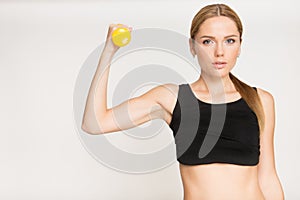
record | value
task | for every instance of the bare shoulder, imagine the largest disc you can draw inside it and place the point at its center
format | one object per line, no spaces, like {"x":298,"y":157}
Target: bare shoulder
{"x":266,"y":97}
{"x":166,"y":89}
{"x":268,"y":105}
{"x":170,"y":88}
{"x":166,"y":96}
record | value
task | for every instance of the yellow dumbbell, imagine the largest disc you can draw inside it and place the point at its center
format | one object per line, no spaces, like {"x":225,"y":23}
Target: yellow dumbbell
{"x":121,"y":36}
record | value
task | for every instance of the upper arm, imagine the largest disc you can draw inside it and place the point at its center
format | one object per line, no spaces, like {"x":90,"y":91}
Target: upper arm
{"x":267,"y":175}
{"x":136,"y":111}
{"x":267,"y":161}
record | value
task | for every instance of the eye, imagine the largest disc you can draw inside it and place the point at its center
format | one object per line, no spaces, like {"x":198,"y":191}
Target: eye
{"x":230,"y":41}
{"x":207,"y":42}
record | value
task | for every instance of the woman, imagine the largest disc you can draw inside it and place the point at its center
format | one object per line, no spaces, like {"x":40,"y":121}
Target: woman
{"x":241,"y":163}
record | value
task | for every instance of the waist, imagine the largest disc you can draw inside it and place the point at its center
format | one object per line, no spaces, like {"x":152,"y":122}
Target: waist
{"x":220,"y":181}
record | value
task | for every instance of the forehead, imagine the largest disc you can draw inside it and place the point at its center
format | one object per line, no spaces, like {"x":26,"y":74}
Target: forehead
{"x":218,"y":26}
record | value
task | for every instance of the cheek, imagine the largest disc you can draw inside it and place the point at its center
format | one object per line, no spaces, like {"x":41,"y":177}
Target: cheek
{"x":204,"y":52}
{"x":205,"y":56}
{"x":234,"y":51}
{"x":232,"y":54}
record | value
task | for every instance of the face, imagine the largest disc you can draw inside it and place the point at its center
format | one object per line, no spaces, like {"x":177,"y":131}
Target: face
{"x":217,"y":46}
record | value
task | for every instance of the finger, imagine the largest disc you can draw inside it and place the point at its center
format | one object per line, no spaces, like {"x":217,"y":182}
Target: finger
{"x":124,"y":26}
{"x":119,"y":25}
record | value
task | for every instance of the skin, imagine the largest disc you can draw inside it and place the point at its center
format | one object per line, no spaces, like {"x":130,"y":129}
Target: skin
{"x":201,"y":182}
{"x":216,"y":40}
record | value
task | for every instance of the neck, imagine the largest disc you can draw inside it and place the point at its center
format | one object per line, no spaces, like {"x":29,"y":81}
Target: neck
{"x":215,"y":85}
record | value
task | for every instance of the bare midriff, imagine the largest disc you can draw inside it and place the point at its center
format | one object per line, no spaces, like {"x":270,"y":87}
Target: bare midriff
{"x":220,"y":181}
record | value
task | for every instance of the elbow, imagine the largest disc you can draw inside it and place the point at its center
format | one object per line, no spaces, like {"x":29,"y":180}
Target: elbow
{"x":91,"y":126}
{"x":90,"y":131}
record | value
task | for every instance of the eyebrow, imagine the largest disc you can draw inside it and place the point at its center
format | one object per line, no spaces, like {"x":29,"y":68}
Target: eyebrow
{"x":207,"y":36}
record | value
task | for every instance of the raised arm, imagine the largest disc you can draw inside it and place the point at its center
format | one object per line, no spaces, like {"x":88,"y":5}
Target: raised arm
{"x":98,"y":119}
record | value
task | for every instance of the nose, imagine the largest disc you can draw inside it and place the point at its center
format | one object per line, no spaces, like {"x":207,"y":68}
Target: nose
{"x":219,"y":51}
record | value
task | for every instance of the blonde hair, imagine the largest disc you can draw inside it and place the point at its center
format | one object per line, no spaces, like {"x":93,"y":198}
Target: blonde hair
{"x":247,"y":92}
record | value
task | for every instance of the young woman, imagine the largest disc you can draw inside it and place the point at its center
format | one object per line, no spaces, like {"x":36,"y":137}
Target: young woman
{"x":241,"y":164}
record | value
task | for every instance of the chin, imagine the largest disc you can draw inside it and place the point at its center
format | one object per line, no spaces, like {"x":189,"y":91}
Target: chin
{"x":216,"y":73}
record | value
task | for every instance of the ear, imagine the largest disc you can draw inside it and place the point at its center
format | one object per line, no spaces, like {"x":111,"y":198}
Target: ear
{"x":192,"y":46}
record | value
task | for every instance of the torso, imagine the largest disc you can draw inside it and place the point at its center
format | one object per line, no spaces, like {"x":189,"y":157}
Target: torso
{"x":215,"y":181}
{"x":219,"y":181}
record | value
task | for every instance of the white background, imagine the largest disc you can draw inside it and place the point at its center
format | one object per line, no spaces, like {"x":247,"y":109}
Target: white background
{"x":43,"y":46}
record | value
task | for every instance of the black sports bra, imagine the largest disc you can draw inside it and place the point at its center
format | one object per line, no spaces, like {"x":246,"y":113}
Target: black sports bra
{"x":214,"y":133}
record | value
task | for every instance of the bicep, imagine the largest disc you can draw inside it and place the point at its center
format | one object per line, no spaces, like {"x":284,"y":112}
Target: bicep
{"x":133,"y":112}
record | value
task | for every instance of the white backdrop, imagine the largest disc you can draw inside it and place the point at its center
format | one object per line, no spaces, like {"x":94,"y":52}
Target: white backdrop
{"x":43,"y":46}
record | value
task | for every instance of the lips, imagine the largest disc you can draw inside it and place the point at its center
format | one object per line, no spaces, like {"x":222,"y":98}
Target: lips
{"x":219,"y":64}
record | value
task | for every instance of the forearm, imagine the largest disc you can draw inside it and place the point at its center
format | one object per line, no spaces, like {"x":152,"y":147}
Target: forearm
{"x":96,"y":102}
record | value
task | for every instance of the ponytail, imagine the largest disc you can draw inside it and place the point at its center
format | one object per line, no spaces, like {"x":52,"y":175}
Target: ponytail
{"x":252,"y":99}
